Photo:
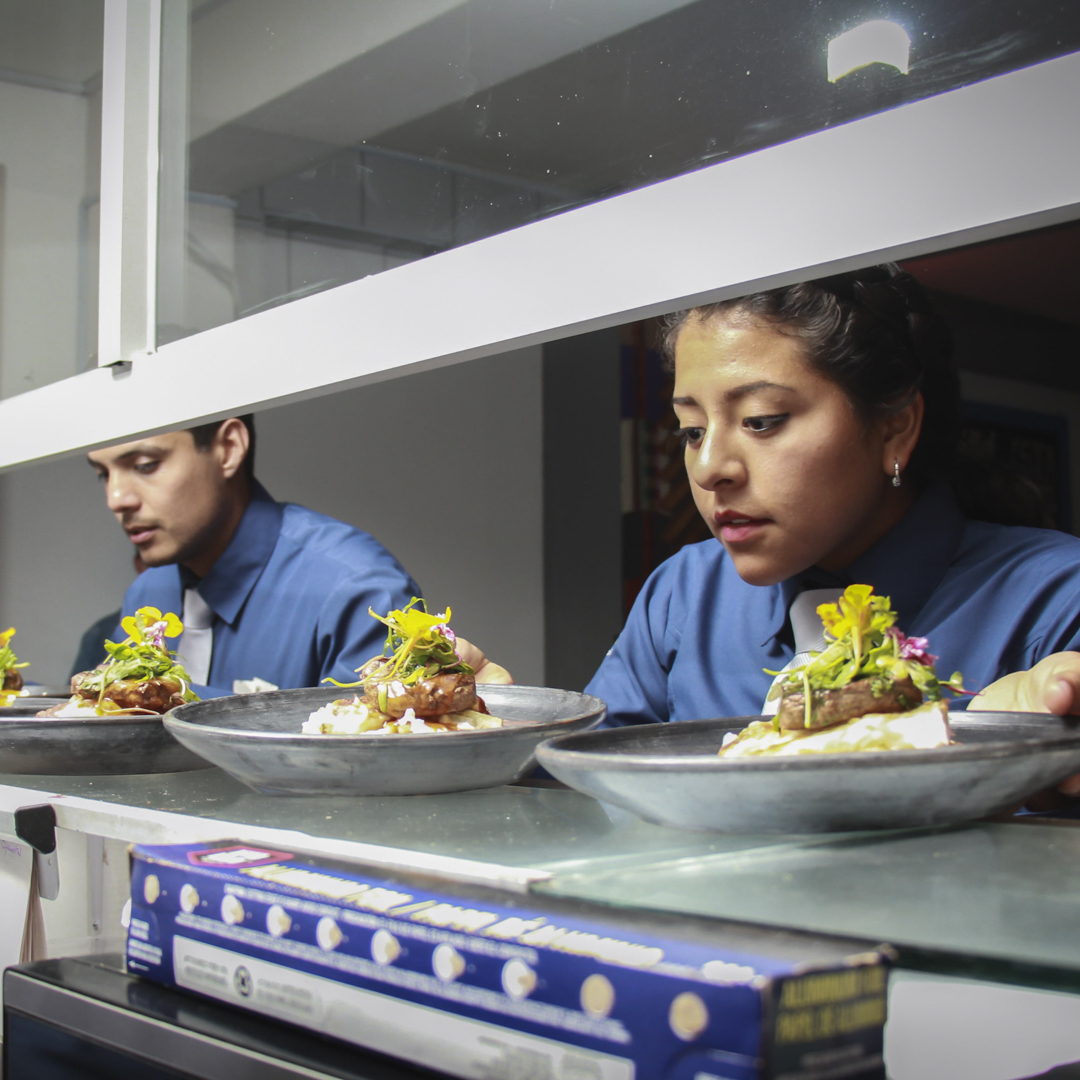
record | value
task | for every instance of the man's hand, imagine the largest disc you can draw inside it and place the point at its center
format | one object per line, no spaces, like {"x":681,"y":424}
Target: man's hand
{"x":1052,"y":685}
{"x":486,"y":671}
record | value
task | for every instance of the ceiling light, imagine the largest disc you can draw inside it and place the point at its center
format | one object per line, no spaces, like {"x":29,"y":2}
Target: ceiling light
{"x":876,"y":42}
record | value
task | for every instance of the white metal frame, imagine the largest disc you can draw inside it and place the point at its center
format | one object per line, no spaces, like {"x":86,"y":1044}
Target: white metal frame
{"x":130,"y":88}
{"x":983,"y":161}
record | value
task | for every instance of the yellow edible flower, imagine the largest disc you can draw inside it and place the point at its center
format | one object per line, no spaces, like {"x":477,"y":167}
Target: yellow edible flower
{"x":6,"y":636}
{"x":856,"y":613}
{"x":149,"y":620}
{"x":418,"y":628}
{"x":415,"y":624}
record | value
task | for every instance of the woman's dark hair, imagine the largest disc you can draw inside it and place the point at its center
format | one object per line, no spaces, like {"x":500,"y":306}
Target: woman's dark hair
{"x":204,"y":436}
{"x":875,"y":334}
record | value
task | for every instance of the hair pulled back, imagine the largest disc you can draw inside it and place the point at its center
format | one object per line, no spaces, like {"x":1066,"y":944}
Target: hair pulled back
{"x":875,"y":334}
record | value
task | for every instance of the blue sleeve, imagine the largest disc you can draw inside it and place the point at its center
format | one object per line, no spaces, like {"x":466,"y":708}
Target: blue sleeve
{"x":203,"y":692}
{"x":347,"y":635}
{"x":633,"y":677}
{"x":1054,"y":596}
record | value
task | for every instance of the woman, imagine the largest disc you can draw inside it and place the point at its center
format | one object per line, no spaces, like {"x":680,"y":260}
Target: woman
{"x":819,"y":421}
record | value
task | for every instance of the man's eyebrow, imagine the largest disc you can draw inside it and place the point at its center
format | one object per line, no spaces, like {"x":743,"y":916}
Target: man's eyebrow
{"x":139,"y":449}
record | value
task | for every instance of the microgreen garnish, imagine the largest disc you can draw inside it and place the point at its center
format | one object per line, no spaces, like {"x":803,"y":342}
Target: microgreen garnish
{"x":418,"y":646}
{"x":142,"y":655}
{"x":8,"y":660}
{"x":862,"y":642}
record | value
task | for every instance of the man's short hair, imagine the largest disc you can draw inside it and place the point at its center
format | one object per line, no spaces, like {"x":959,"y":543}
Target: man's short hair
{"x":204,"y":436}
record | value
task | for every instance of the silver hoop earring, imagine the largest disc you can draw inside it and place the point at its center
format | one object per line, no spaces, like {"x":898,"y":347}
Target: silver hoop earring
{"x":896,"y":473}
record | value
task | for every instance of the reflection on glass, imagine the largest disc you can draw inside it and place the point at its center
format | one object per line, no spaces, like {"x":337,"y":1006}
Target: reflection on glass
{"x":50,"y":141}
{"x":325,"y":142}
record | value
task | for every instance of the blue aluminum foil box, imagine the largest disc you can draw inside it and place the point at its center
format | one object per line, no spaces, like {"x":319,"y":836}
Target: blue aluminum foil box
{"x":483,"y":984}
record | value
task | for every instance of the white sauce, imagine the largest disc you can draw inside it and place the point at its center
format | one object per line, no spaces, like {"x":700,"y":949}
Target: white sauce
{"x":923,"y":728}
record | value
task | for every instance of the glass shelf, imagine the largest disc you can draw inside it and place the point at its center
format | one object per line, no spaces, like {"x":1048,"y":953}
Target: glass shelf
{"x":987,"y":899}
{"x":991,"y":900}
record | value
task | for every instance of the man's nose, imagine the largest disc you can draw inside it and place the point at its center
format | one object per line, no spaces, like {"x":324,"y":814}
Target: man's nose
{"x":717,"y":462}
{"x":120,"y":495}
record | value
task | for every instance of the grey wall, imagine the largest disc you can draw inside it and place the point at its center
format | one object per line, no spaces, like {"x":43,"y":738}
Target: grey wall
{"x":64,"y":562}
{"x":582,"y":508}
{"x":445,"y":469}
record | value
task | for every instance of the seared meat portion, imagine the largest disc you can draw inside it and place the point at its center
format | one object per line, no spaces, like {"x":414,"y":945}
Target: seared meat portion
{"x":156,"y":695}
{"x":829,"y":707}
{"x":13,"y":680}
{"x":427,"y":697}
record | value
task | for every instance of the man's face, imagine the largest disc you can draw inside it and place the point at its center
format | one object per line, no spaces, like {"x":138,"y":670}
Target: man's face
{"x":170,"y":497}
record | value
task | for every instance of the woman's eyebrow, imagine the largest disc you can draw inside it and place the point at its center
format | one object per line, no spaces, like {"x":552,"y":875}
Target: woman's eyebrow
{"x":738,"y":392}
{"x":750,"y":388}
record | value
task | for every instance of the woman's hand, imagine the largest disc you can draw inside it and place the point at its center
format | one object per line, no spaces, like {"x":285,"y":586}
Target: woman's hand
{"x":486,"y":671}
{"x":1052,"y":685}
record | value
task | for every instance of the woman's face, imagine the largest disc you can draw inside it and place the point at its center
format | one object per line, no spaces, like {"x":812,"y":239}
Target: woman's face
{"x":784,"y":472}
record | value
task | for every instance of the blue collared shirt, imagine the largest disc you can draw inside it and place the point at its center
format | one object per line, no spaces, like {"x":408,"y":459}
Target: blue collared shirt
{"x":991,"y":599}
{"x":290,"y":597}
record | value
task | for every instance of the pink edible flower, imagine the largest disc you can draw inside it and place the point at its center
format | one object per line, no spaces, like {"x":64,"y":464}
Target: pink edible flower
{"x":157,"y":632}
{"x":913,"y":648}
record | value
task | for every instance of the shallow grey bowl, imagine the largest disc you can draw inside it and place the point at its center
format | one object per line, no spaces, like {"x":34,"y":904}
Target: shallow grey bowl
{"x":257,"y":739}
{"x":84,"y":746}
{"x":669,"y":774}
{"x":57,"y":691}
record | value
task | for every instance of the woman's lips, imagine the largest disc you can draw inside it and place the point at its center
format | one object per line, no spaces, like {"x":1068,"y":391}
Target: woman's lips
{"x":736,"y":530}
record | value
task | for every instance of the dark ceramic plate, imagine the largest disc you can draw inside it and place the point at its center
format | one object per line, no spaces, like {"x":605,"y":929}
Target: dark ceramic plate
{"x":87,"y":746}
{"x":257,"y":738}
{"x":669,"y":774}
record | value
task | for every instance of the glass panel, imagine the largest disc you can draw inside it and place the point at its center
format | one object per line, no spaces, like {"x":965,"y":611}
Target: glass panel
{"x":322,"y":143}
{"x":1005,"y":892}
{"x":50,"y":142}
{"x":522,"y":827}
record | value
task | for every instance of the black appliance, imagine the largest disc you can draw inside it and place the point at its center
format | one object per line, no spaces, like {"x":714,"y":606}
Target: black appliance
{"x":85,"y":1018}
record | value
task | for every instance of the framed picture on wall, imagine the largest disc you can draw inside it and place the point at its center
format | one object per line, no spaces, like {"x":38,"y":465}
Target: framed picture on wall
{"x":1013,"y":466}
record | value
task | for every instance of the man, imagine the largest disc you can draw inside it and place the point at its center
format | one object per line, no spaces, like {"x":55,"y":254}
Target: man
{"x":267,"y":591}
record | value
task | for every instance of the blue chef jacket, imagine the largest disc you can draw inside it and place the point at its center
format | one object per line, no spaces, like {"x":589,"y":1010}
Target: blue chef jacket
{"x":290,"y":597}
{"x":992,"y":599}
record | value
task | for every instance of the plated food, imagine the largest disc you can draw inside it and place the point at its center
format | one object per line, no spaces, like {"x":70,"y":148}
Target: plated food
{"x":258,"y":739}
{"x":871,"y":688}
{"x":671,"y":774}
{"x":140,"y":677}
{"x":418,"y":684}
{"x":12,"y":684}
